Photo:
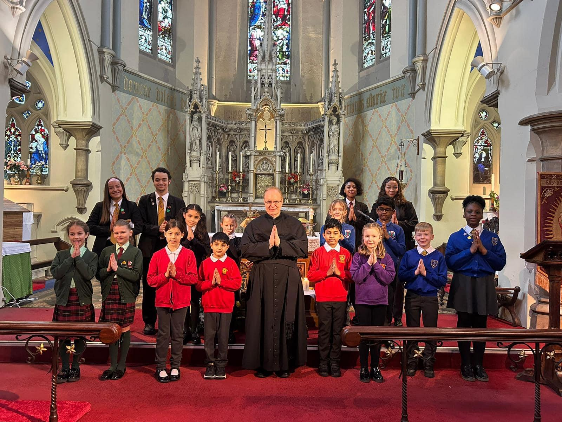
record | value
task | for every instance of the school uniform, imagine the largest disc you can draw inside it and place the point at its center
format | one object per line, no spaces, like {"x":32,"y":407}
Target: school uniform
{"x":371,"y":298}
{"x":152,"y":240}
{"x":473,"y":293}
{"x":360,"y":221}
{"x":120,"y":288}
{"x":73,"y":285}
{"x":173,"y":296}
{"x":331,"y":298}
{"x":395,"y":246}
{"x":234,"y":251}
{"x":127,"y":210}
{"x":218,"y":303}
{"x":407,"y":220}
{"x":421,"y":296}
{"x":348,"y":241}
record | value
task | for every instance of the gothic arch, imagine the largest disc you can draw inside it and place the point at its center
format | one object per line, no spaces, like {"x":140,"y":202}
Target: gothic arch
{"x":549,"y":71}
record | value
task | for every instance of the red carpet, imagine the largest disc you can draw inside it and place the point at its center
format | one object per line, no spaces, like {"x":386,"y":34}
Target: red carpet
{"x":304,"y":396}
{"x":35,"y":411}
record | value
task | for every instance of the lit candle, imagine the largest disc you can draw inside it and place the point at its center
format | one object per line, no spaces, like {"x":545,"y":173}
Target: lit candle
{"x":310,"y":214}
{"x":311,"y":162}
{"x":218,"y":160}
{"x":299,"y":162}
{"x":229,"y":161}
{"x":287,"y":164}
{"x":241,"y":161}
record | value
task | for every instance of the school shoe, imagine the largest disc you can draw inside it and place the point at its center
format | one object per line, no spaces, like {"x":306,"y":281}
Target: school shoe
{"x":428,"y":371}
{"x":210,"y":372}
{"x":412,"y":368}
{"x":364,"y":375}
{"x":283,"y":374}
{"x":118,"y":374}
{"x":323,"y":370}
{"x":480,"y":374}
{"x":106,"y":375}
{"x":149,"y":330}
{"x":62,"y":376}
{"x":262,"y":373}
{"x":196,"y":339}
{"x":175,"y":377}
{"x":220,"y":373}
{"x":74,"y":375}
{"x":398,"y":323}
{"x":467,"y":373}
{"x":376,"y":375}
{"x":163,"y":378}
{"x":335,"y":370}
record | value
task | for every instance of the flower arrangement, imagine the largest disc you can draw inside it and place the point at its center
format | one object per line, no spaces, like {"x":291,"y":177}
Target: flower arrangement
{"x":495,"y":200}
{"x":15,"y":167}
{"x":223,"y":188}
{"x":305,"y":188}
{"x":292,"y":178}
{"x":238,"y":177}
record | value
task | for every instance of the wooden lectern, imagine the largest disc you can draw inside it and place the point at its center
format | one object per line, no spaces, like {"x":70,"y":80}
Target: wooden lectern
{"x":548,"y":254}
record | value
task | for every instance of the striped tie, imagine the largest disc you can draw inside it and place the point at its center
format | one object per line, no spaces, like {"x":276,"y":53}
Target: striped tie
{"x":161,"y":215}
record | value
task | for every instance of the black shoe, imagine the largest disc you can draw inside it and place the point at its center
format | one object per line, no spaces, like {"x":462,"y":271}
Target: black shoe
{"x":282,"y":374}
{"x":412,"y":369}
{"x":323,"y":370}
{"x":163,"y":379}
{"x":428,"y":372}
{"x":149,"y":330}
{"x":106,"y":375}
{"x":467,"y":373}
{"x":480,"y":374}
{"x":74,"y":375}
{"x":197,"y":339}
{"x":210,"y":372}
{"x":62,"y":376}
{"x":186,"y":337}
{"x":175,"y":377}
{"x":364,"y":375}
{"x":118,"y":374}
{"x":220,"y":373}
{"x":398,"y":323}
{"x":231,"y":339}
{"x":261,"y":373}
{"x":335,"y":370}
{"x":376,"y":375}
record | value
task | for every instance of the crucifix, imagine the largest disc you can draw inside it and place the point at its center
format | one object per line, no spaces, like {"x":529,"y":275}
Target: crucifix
{"x":265,"y":129}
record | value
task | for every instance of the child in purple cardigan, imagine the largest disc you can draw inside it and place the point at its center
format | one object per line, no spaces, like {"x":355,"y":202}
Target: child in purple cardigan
{"x":372,"y":270}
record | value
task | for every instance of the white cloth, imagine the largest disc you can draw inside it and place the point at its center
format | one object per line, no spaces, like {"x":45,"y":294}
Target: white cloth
{"x":27,"y":224}
{"x":173,"y":255}
{"x":428,"y":250}
{"x":329,"y":248}
{"x":15,"y":248}
{"x":217,"y":259}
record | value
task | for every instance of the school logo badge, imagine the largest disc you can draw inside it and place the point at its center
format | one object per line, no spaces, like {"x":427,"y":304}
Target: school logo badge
{"x":434,"y":263}
{"x":124,"y":263}
{"x":347,"y":233}
{"x":383,"y":266}
{"x":342,"y":258}
{"x":494,"y":241}
{"x":392,"y":234}
{"x":224,"y":270}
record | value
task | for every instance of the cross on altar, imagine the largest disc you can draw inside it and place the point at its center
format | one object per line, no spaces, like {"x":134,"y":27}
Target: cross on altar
{"x":265,"y":129}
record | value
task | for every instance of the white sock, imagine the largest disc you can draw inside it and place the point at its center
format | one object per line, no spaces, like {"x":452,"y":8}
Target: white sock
{"x":163,"y":373}
{"x":174,"y":372}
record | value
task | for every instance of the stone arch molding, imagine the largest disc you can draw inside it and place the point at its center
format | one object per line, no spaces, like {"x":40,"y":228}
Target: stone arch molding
{"x":549,"y":70}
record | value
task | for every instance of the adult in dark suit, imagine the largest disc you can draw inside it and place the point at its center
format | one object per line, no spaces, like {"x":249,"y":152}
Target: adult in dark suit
{"x":155,"y":209}
{"x":115,"y":206}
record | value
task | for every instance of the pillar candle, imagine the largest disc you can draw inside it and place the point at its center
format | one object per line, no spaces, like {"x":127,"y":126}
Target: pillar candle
{"x":311,"y":163}
{"x":218,"y":160}
{"x":287,"y":164}
{"x":229,"y":161}
{"x":299,"y":162}
{"x":241,"y":161}
{"x":310,"y":214}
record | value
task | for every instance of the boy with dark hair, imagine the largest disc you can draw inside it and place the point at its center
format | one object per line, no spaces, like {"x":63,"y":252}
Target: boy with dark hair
{"x":424,"y":271}
{"x":219,"y":278}
{"x":395,"y":245}
{"x":329,"y":272}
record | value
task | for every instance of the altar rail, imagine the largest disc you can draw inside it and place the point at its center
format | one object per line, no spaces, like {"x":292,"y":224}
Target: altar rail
{"x":27,"y":331}
{"x":543,"y":340}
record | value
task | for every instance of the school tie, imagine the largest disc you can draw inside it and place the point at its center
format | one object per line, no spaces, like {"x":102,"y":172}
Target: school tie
{"x":161,"y":214}
{"x":120,"y":253}
{"x":114,"y":218}
{"x":473,"y":232}
{"x":424,"y":253}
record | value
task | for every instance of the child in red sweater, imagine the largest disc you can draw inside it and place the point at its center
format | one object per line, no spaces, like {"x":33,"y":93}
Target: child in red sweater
{"x":219,"y":278}
{"x":172,"y":271}
{"x":329,"y":272}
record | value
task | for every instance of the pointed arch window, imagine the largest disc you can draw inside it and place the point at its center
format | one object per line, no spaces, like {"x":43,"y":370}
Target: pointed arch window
{"x":281,"y":35}
{"x":482,"y":159}
{"x":156,"y":28}
{"x":376,"y":31}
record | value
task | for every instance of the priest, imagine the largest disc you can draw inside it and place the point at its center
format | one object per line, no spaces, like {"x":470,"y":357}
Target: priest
{"x":275,"y":322}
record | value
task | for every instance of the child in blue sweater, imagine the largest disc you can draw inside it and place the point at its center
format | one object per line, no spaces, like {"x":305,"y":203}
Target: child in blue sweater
{"x":424,"y":272}
{"x":338,"y":210}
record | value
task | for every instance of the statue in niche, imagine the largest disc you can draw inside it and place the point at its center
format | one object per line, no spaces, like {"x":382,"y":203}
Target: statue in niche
{"x":246,"y":159}
{"x":209,"y":151}
{"x":333,"y":136}
{"x":195,"y":134}
{"x":286,"y":157}
{"x":233,"y":159}
{"x":321,"y":156}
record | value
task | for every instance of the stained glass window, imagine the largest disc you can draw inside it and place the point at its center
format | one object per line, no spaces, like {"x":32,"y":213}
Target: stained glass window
{"x":165,"y":17}
{"x":483,"y":114}
{"x":369,"y":32}
{"x":39,"y":149}
{"x":385,"y":28}
{"x":496,"y":125}
{"x":281,"y":35}
{"x":26,"y":114}
{"x":19,"y":100}
{"x":12,"y":137}
{"x":39,"y":104}
{"x":482,"y":159}
{"x":145,"y":25}
{"x":28,"y":84}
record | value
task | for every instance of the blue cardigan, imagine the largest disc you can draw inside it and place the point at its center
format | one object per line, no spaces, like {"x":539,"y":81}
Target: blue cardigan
{"x":460,"y":259}
{"x":436,"y":272}
{"x":348,"y":241}
{"x":395,"y":245}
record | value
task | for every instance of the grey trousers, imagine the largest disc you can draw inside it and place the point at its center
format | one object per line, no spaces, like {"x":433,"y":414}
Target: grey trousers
{"x":217,"y":324}
{"x":170,"y":325}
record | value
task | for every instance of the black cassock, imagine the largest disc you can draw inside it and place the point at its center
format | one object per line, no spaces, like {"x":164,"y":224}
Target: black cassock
{"x":275,"y":321}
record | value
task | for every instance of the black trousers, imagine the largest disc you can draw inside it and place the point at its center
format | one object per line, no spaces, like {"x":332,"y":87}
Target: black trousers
{"x":395,"y":300}
{"x":417,"y":307}
{"x":331,"y":320}
{"x":217,"y":324}
{"x":148,"y":296}
{"x":370,"y":315}
{"x":192,"y":316}
{"x":170,"y":325}
{"x":469,"y":320}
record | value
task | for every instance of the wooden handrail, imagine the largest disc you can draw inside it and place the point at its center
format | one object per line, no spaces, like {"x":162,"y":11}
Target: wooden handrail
{"x":60,"y":244}
{"x":544,"y":341}
{"x":106,"y":332}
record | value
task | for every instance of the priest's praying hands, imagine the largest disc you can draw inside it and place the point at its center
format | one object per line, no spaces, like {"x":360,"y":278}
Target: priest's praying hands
{"x":274,"y":237}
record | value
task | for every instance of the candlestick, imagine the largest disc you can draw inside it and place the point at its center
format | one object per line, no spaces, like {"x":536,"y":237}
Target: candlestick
{"x":229,"y":161}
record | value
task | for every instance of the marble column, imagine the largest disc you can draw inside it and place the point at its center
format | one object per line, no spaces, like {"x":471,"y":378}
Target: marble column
{"x":211,"y":55}
{"x":252,"y":148}
{"x":440,"y":139}
{"x":420,"y":61}
{"x":105,"y":53}
{"x":326,"y":45}
{"x":117,"y":65}
{"x":82,"y":131}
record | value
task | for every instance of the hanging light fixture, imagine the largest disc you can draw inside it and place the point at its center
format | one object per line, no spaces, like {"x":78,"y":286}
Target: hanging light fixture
{"x":496,"y":5}
{"x":498,"y":11}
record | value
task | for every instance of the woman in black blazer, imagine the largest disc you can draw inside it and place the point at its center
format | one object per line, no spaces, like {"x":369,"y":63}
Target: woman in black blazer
{"x":349,"y":190}
{"x":105,"y":214}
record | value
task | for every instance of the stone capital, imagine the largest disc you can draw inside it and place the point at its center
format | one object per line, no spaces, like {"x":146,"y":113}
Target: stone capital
{"x":442,"y":138}
{"x":548,"y":128}
{"x":79,"y":130}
